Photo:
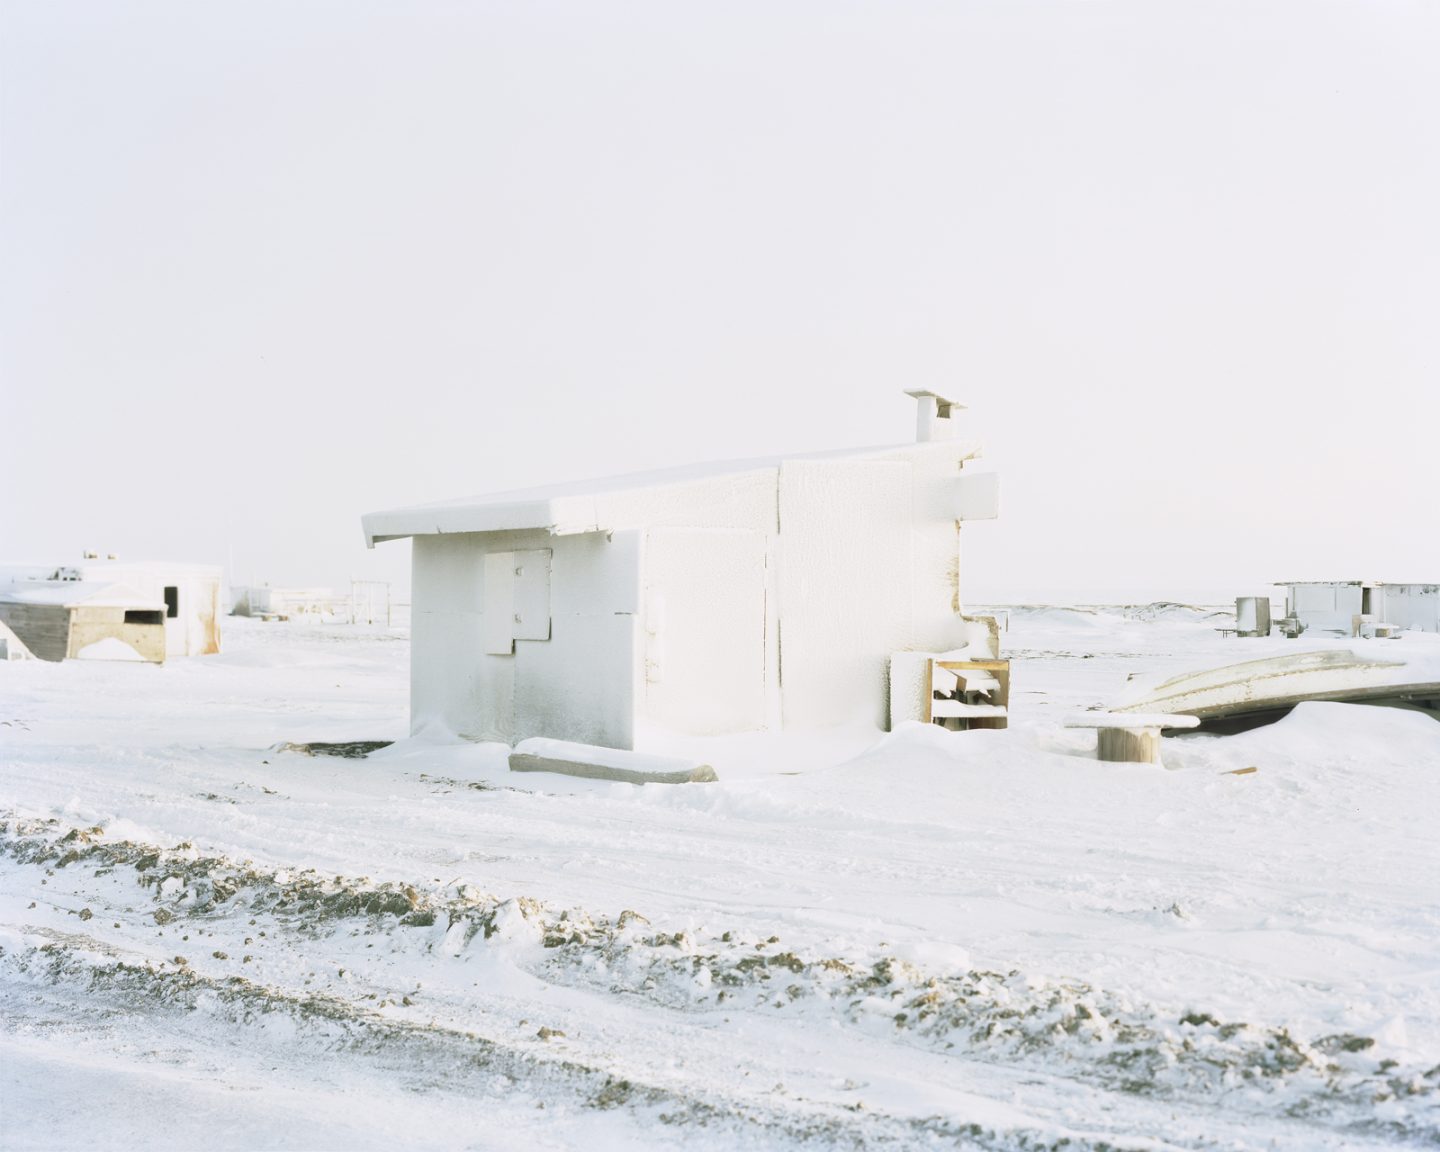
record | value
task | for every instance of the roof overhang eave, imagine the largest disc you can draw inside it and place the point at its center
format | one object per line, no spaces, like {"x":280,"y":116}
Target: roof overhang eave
{"x":379,"y":534}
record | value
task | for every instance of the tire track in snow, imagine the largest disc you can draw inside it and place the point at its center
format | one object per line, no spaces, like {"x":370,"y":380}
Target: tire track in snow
{"x":1067,"y":1030}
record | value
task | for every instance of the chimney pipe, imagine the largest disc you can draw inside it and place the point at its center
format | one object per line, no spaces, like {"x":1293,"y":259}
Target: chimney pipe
{"x":934,"y":416}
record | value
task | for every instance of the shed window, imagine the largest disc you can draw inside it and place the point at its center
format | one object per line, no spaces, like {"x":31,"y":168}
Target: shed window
{"x":172,"y":600}
{"x":141,"y":616}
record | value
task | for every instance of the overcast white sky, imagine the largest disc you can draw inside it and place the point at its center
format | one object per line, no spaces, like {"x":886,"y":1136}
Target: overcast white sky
{"x":267,"y":266}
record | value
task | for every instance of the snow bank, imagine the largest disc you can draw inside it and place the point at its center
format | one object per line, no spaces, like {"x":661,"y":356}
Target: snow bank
{"x":918,"y":939}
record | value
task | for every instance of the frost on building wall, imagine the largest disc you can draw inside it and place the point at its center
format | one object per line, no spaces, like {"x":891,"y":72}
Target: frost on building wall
{"x":1333,"y":605}
{"x":1412,"y":606}
{"x":1328,"y":605}
{"x":706,"y":600}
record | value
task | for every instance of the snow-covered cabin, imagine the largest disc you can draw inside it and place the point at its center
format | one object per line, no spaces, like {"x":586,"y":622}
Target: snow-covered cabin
{"x":714,"y":599}
{"x":1332,"y":605}
{"x":84,"y":619}
{"x":189,"y":596}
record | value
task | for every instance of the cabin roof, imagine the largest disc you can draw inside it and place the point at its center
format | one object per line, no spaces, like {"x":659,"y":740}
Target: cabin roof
{"x":1326,"y":583}
{"x":568,"y":507}
{"x":1356,"y":583}
{"x":107,"y":570}
{"x":77,"y":594}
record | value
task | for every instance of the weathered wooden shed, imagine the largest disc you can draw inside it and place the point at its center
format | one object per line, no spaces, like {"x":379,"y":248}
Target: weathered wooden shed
{"x":714,"y":599}
{"x":77,"y":619}
{"x":190,"y":595}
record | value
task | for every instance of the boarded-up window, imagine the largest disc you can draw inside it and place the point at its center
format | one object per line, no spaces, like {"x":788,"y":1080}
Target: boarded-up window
{"x":517,"y":599}
{"x":172,"y":601}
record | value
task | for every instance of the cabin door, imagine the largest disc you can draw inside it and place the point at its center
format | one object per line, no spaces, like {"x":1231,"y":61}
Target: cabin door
{"x":703,"y":630}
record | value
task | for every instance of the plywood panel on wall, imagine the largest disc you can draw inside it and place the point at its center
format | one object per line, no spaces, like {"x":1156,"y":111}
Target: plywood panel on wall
{"x":705,"y":650}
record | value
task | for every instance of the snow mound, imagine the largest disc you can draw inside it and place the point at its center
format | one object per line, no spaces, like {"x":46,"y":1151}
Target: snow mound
{"x":1361,"y":737}
{"x":11,"y":646}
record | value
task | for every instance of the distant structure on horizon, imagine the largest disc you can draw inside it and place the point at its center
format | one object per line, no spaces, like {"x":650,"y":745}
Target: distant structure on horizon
{"x":108,"y":609}
{"x":282,"y":603}
{"x":1341,"y":605}
{"x":720,"y":598}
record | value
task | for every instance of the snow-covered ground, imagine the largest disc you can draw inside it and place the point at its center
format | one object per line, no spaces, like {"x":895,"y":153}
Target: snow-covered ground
{"x":923,"y":939}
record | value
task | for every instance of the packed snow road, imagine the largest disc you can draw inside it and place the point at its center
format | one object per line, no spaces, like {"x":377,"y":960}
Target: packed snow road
{"x":983,"y":940}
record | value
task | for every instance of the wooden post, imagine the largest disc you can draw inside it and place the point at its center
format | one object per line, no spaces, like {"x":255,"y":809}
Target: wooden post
{"x":1130,"y":745}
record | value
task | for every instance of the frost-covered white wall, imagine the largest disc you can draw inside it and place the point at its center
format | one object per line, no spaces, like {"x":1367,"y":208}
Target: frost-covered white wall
{"x":1412,"y":606}
{"x":708,"y":664}
{"x":1331,"y":607}
{"x":584,"y":680}
{"x":1326,"y":607}
{"x":869,"y":565}
{"x":579,"y":683}
{"x":765,"y":597}
{"x":587,"y":681}
{"x":845,"y":588}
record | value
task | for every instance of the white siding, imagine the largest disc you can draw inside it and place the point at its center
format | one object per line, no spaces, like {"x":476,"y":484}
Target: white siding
{"x":1327,"y":607}
{"x":577,"y":685}
{"x":845,"y":588}
{"x":731,"y":603}
{"x":705,"y":630}
{"x":453,"y":682}
{"x":582,"y":683}
{"x":1412,"y":606}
